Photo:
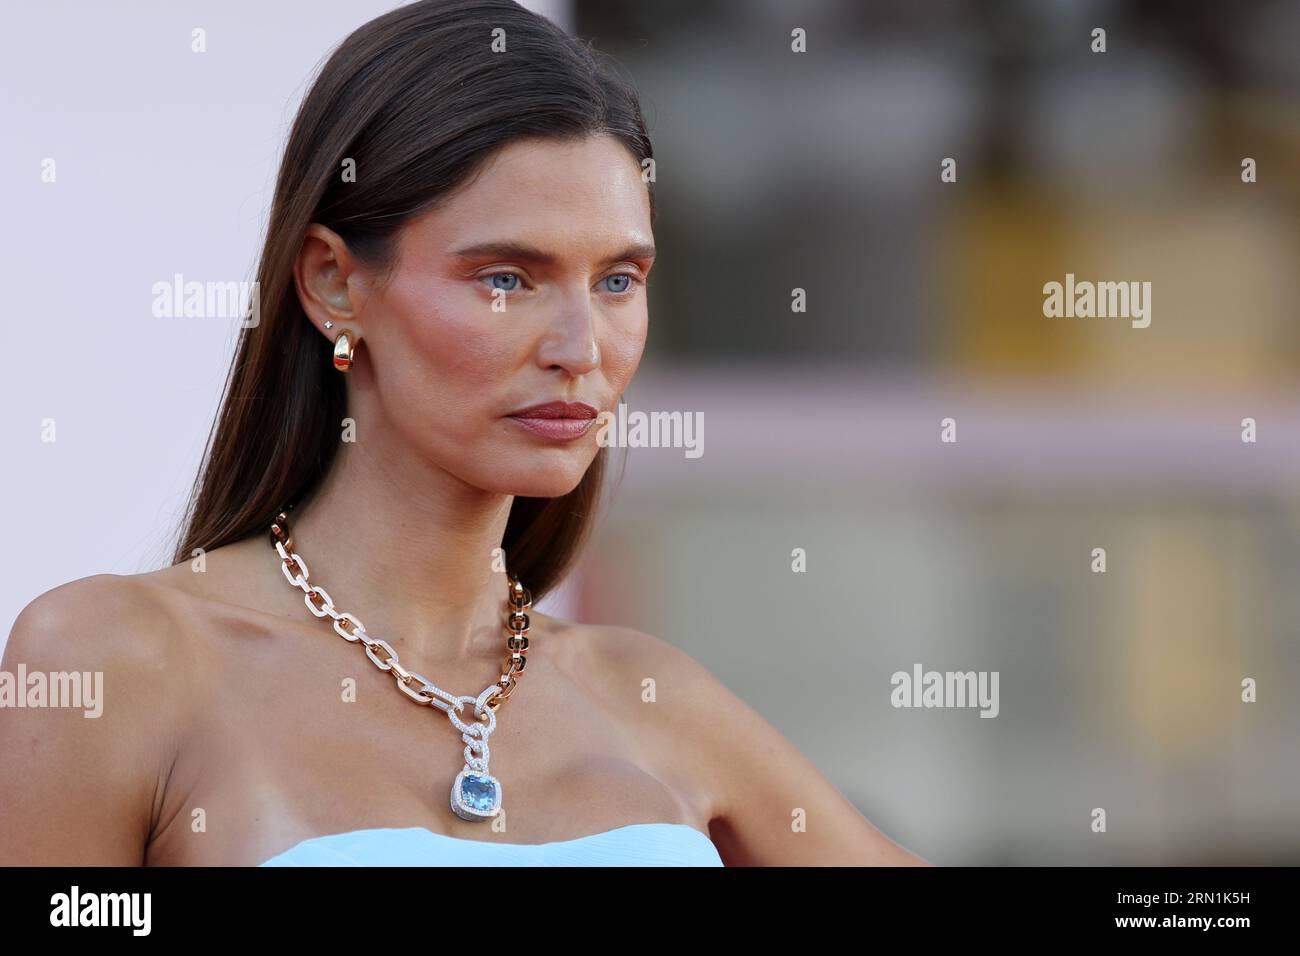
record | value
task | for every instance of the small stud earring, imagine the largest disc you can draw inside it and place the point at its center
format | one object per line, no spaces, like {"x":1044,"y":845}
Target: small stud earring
{"x":329,"y":324}
{"x":343,"y":350}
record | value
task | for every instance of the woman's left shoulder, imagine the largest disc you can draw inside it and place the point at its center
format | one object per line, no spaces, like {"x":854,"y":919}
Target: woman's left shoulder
{"x":630,"y":661}
{"x":754,"y":781}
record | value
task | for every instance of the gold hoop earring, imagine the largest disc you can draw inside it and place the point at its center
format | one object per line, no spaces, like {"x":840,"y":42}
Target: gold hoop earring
{"x":343,"y":350}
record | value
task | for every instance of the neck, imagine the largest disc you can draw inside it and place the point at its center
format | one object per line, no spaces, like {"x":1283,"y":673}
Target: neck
{"x":409,"y":551}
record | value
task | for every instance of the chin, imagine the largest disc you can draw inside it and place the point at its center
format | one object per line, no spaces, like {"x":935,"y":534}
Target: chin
{"x":535,"y":477}
{"x":542,"y":486}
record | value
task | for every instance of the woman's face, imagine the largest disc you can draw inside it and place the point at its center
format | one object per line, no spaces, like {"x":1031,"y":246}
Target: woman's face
{"x":526,"y":286}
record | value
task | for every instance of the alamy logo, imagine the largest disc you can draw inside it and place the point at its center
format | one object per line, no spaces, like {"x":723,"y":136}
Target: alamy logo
{"x":181,"y":299}
{"x":1104,"y":300}
{"x":946,"y":689}
{"x":652,"y":430}
{"x":102,"y":909}
{"x":83,"y":689}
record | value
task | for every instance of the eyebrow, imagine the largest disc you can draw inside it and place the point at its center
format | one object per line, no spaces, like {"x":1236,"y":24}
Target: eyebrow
{"x":527,"y":253}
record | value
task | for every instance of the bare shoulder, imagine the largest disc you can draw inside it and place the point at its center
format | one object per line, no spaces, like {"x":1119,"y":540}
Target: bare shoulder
{"x":636,"y":667}
{"x":99,"y":666}
{"x":770,"y":804}
{"x":100,"y":617}
{"x":124,"y":619}
{"x":133,"y":628}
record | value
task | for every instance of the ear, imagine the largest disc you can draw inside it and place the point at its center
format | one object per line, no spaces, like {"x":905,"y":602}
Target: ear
{"x":329,"y":281}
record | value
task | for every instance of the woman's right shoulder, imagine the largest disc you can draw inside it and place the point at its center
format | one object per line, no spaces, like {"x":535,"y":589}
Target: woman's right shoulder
{"x":83,"y":791}
{"x":101,"y":618}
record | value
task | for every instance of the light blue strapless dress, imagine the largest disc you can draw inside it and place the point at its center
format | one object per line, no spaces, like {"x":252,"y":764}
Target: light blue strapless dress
{"x":637,"y":844}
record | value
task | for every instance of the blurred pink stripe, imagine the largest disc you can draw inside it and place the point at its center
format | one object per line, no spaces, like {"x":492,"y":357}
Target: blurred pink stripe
{"x":838,"y":425}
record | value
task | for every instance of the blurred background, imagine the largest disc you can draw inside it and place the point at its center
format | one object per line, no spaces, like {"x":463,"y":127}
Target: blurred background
{"x":818,"y":171}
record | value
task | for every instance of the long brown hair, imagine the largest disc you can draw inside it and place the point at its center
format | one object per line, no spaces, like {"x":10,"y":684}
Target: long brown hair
{"x":417,"y":99}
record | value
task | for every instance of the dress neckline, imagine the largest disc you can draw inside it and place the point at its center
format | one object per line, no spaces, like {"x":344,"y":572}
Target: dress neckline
{"x":442,"y":836}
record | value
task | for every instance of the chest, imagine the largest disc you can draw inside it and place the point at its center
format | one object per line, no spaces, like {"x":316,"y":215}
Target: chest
{"x":281,"y":753}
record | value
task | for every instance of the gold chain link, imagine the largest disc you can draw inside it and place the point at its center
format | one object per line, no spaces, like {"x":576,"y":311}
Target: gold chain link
{"x":519,"y":599}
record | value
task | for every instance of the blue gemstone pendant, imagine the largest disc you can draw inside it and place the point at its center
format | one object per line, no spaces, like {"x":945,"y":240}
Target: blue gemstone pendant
{"x":475,"y":795}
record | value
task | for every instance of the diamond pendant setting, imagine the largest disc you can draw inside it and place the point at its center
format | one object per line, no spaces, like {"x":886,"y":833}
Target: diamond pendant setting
{"x":475,"y":793}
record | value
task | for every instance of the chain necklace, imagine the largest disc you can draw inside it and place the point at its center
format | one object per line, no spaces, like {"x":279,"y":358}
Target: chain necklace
{"x":475,"y":793}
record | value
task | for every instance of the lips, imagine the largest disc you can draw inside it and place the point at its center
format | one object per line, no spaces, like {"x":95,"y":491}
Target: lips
{"x":558,"y":421}
{"x":556,"y":410}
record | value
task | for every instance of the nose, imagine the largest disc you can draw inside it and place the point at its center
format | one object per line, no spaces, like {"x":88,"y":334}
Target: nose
{"x":570,"y":338}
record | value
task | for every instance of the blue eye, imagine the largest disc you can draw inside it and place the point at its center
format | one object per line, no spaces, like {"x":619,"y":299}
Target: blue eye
{"x":627,"y":282}
{"x":512,"y":277}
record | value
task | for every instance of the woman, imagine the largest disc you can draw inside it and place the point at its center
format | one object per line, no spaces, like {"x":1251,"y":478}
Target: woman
{"x":453,"y":286}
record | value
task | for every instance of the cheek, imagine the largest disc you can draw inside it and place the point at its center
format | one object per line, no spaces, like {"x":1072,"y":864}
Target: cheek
{"x":448,"y":344}
{"x":620,"y":352}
